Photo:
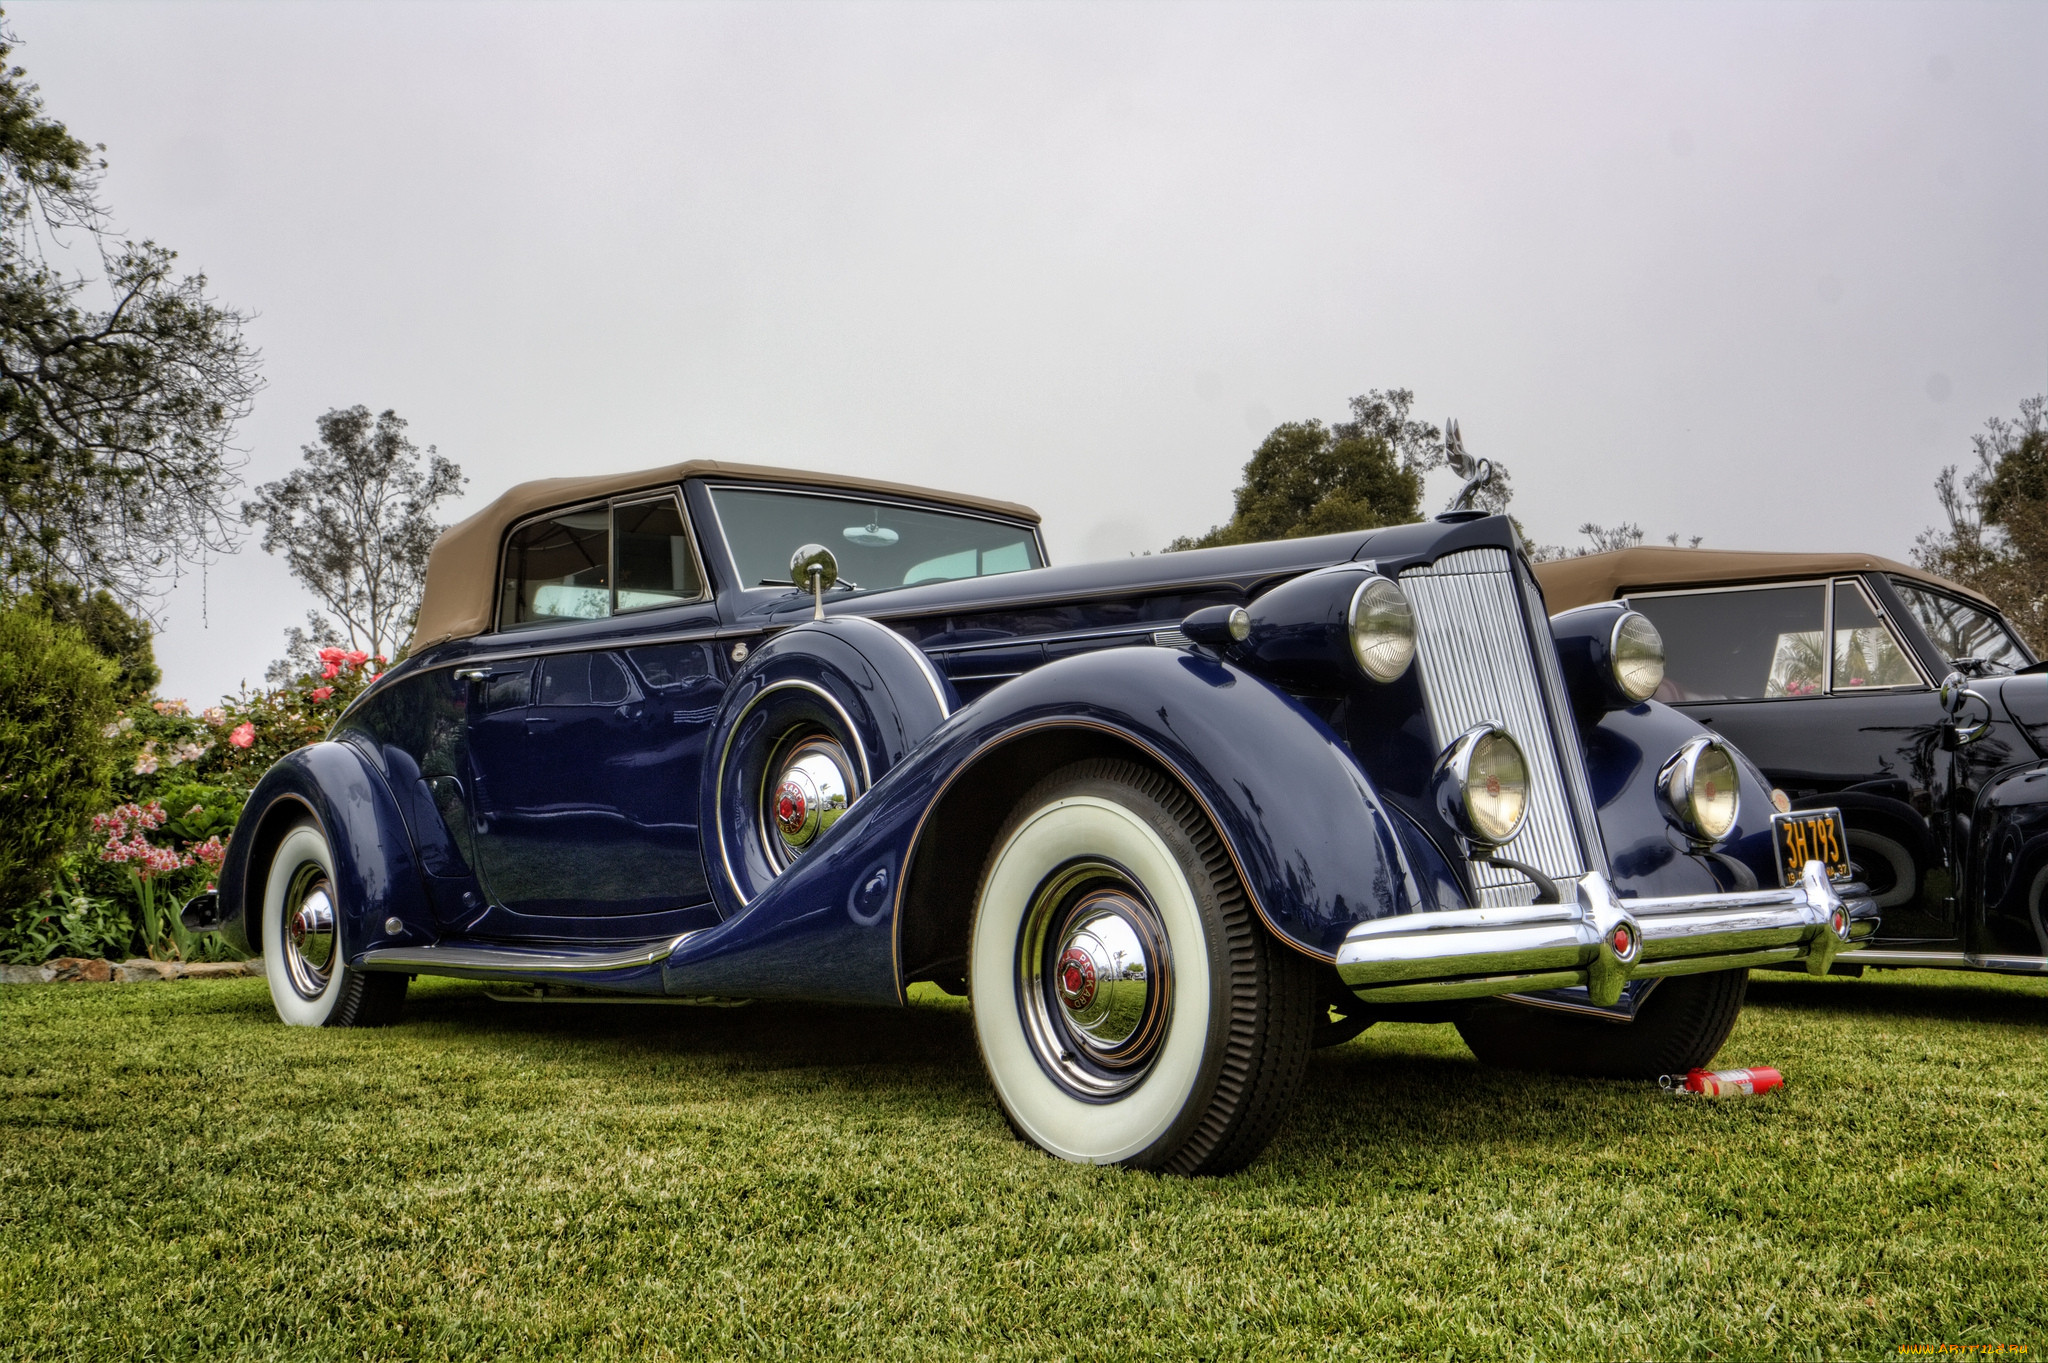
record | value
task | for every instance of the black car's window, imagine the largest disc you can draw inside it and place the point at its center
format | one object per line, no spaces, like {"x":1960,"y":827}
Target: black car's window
{"x":664,"y":665}
{"x":877,"y":544}
{"x":656,"y":564}
{"x":1749,"y":644}
{"x":506,"y":689}
{"x":1963,"y":633}
{"x":584,"y":679}
{"x":1868,"y":656}
{"x":595,"y":561}
{"x":558,"y":568}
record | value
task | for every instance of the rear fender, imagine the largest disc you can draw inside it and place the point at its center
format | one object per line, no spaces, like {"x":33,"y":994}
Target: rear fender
{"x":377,"y":871}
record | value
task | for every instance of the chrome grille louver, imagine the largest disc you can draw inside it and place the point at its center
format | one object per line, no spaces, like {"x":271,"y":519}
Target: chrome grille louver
{"x":1472,"y":644}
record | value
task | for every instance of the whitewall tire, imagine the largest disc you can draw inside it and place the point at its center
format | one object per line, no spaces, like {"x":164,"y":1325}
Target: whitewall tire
{"x":304,"y":961}
{"x":1129,"y":1006}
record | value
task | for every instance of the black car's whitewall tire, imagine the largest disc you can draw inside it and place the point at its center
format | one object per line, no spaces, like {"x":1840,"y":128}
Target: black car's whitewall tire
{"x":1130,"y":1007}
{"x":303,"y":959}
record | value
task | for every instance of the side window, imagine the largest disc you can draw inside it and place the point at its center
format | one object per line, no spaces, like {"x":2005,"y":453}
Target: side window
{"x":558,"y":568}
{"x":656,"y":565}
{"x":665,"y":665}
{"x":596,"y":561}
{"x":1867,"y":654}
{"x":1750,"y":644}
{"x":584,"y":679}
{"x":506,"y":690}
{"x":1961,"y":631}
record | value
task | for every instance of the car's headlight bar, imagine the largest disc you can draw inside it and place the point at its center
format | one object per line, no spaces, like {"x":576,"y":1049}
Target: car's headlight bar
{"x":1481,"y":785}
{"x":1382,"y":626}
{"x":1701,"y":789}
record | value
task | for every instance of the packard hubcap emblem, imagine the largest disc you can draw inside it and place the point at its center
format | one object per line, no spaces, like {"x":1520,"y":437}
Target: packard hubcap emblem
{"x":1077,"y":979}
{"x":792,"y":810}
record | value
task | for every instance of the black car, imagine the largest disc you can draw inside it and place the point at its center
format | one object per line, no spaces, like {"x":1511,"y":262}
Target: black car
{"x":1925,"y":722}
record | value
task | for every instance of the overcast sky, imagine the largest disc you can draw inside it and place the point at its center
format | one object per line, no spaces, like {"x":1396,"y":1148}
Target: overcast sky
{"x":1748,"y":272}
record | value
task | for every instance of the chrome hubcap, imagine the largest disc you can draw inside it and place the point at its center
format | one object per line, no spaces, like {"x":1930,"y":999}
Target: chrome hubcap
{"x":309,"y":945}
{"x":811,"y":787}
{"x":1097,"y":979}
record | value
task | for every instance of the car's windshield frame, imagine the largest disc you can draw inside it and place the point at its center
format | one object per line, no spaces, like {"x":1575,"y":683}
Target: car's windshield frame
{"x":731,"y":566}
{"x":1901,"y":585}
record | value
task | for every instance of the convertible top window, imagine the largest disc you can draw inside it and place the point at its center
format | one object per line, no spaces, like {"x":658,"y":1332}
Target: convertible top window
{"x":877,"y":543}
{"x":595,"y":561}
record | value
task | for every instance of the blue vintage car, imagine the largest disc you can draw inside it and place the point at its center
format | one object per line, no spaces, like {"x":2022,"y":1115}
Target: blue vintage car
{"x":723,"y":732}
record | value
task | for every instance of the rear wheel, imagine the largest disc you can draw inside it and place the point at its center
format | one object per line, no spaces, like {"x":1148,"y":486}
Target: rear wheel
{"x":1129,"y":1005}
{"x":311,"y":984}
{"x":1680,"y":1026}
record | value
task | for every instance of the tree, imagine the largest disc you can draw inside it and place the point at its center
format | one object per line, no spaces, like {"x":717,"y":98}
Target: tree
{"x":114,"y":634}
{"x":55,"y":761}
{"x":1308,"y":479}
{"x":355,"y":525}
{"x":118,"y":395}
{"x":1996,"y":541}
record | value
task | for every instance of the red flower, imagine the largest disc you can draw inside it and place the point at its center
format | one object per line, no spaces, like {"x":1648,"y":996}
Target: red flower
{"x":356,"y":659}
{"x":322,"y":692}
{"x":243,"y":736}
{"x":331,"y":655}
{"x":331,"y":671}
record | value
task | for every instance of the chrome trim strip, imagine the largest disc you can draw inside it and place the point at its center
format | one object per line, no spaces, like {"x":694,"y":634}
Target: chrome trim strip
{"x":924,"y":662}
{"x":1171,"y":638}
{"x":1578,"y":782}
{"x":1949,"y":960}
{"x":867,"y":778}
{"x":518,"y":960}
{"x":1477,"y":668}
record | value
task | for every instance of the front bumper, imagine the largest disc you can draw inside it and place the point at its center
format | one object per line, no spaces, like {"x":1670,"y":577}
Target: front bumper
{"x":1600,"y":941}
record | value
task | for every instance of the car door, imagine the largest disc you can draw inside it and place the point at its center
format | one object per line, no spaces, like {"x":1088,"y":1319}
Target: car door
{"x":1813,"y":683}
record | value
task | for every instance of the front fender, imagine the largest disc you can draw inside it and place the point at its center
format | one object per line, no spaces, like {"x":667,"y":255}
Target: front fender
{"x":1648,"y":856}
{"x":378,"y":872}
{"x":1317,"y":849}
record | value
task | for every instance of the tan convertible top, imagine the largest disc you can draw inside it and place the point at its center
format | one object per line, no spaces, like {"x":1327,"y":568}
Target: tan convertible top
{"x":1569,"y":582}
{"x":462,"y":571}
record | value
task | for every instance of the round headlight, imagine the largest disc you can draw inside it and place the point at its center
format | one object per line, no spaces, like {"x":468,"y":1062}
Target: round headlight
{"x":1701,"y":789}
{"x":1482,"y":785}
{"x":1637,"y":655}
{"x":1382,"y":629}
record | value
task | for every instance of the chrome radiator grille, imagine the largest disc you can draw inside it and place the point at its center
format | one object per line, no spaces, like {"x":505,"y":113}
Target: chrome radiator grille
{"x":1478,"y":668}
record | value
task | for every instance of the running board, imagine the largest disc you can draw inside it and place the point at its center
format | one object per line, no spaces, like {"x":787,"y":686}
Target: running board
{"x":489,"y":962}
{"x":1946,"y":960}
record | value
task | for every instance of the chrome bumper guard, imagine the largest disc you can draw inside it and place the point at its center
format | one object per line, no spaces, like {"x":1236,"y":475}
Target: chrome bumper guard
{"x":1599,"y":941}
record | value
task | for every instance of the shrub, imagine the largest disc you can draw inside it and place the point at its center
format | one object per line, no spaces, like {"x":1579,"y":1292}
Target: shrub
{"x":56,"y":698}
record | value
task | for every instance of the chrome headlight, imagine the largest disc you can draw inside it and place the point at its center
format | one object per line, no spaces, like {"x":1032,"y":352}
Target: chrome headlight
{"x":1701,"y":789}
{"x":1382,"y":629}
{"x":1481,"y":785}
{"x":1636,"y":653}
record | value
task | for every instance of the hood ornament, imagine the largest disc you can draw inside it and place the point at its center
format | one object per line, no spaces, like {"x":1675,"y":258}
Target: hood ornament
{"x":1477,"y":473}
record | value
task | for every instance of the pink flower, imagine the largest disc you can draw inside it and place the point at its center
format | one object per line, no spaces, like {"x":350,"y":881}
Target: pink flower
{"x":322,"y":692}
{"x":382,"y":658}
{"x":356,"y":659}
{"x":214,"y":715}
{"x":209,"y":854}
{"x":331,"y":655}
{"x":145,"y":763}
{"x":170,"y":707}
{"x":243,"y":736}
{"x":331,"y":671}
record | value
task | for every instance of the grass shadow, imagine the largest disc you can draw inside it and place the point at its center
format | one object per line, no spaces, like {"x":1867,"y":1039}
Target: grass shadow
{"x":1951,"y":996}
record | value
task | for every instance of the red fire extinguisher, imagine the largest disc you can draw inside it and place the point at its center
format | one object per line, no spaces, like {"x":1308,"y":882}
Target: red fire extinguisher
{"x":1723,"y":1083}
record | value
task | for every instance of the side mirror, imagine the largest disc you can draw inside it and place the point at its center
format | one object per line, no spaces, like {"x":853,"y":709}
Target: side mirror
{"x":813,"y":566}
{"x":1955,"y":696}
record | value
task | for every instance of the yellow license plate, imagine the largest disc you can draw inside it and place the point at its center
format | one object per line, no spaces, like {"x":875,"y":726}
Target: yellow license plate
{"x":1811,"y":835}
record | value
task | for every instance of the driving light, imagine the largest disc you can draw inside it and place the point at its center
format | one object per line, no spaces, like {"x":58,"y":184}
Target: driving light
{"x":1700,"y":788}
{"x":1637,"y":655}
{"x":1481,"y":785}
{"x":1382,"y":629}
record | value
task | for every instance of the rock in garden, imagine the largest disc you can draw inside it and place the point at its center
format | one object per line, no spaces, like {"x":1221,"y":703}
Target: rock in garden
{"x":89,"y":969}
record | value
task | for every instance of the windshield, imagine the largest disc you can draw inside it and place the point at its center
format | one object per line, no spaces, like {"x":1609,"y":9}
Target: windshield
{"x":1971,"y":639}
{"x":877,"y":544}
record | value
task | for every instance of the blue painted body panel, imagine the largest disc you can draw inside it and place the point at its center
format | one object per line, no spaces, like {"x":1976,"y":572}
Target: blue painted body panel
{"x":1314,"y":776}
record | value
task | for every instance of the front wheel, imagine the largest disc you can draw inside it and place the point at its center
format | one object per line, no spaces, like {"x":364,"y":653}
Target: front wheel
{"x":1680,"y":1026}
{"x":311,"y":984}
{"x":1129,"y":1005}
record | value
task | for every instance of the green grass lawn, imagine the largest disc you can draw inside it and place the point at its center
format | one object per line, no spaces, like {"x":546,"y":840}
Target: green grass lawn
{"x":181,"y":1176}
